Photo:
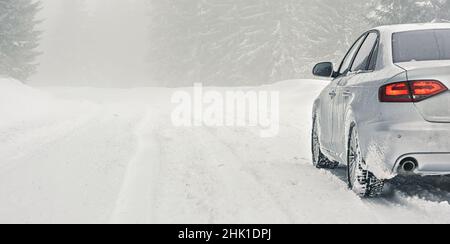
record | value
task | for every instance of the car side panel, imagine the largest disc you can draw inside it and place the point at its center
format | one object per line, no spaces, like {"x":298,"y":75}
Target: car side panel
{"x":342,"y":101}
{"x":358,"y":103}
{"x":366,"y":111}
{"x":326,"y":117}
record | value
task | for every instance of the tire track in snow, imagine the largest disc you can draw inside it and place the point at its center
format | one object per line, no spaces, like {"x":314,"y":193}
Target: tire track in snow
{"x":47,"y":135}
{"x":135,"y":202}
{"x":193,"y":189}
{"x":394,"y":206}
{"x":291,"y":201}
{"x":72,"y":179}
{"x":248,"y":170}
{"x":237,"y":169}
{"x":375,"y":210}
{"x":208,"y":184}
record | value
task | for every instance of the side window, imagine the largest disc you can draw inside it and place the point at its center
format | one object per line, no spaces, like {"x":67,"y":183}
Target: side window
{"x":345,"y":66}
{"x":374,"y":58}
{"x":363,"y":58}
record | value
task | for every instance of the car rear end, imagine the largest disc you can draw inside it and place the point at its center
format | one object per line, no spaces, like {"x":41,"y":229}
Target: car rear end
{"x":412,"y":133}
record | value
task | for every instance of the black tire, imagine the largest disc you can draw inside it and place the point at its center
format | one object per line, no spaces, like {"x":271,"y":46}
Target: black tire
{"x":361,"y":181}
{"x":320,"y":161}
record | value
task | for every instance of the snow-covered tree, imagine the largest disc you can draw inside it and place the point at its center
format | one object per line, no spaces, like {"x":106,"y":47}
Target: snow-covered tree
{"x":230,"y":42}
{"x":332,"y":26}
{"x":18,"y":38}
{"x":442,"y":8}
{"x":253,"y":42}
{"x":175,"y":28}
{"x":388,"y":12}
{"x":235,"y":42}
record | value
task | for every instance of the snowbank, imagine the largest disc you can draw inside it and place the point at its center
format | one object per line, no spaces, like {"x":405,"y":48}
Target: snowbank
{"x":20,"y":102}
{"x":30,"y":118}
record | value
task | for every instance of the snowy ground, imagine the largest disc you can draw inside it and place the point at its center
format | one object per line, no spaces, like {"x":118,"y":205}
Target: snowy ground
{"x":83,"y":155}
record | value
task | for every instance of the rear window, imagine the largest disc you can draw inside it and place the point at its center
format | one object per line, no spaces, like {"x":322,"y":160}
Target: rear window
{"x":424,"y":45}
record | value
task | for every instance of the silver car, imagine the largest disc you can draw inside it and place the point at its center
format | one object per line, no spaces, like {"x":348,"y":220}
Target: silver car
{"x":386,"y":111}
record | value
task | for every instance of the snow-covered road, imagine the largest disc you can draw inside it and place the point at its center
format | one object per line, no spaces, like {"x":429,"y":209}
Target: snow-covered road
{"x":83,"y":155}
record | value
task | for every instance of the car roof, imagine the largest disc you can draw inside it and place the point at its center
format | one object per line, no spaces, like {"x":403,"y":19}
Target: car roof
{"x":412,"y":27}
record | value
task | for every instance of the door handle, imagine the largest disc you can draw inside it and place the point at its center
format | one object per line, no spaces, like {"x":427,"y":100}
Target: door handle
{"x":347,"y":93}
{"x":332,"y":94}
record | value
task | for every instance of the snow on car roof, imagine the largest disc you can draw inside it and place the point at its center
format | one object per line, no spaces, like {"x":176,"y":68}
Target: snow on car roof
{"x":412,"y":27}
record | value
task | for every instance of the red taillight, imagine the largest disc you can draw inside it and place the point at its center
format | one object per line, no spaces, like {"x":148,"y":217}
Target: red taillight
{"x":396,"y":92}
{"x":426,"y":89}
{"x":411,"y":91}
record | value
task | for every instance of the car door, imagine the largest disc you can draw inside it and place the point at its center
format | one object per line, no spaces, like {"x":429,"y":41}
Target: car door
{"x":328,"y":116}
{"x":363,"y":63}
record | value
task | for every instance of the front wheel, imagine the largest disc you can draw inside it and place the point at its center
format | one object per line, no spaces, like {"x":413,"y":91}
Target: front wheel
{"x":361,"y":181}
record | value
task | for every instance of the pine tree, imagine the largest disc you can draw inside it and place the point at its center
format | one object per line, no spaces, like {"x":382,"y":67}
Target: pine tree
{"x":18,"y":38}
{"x":332,"y":27}
{"x":174,"y":43}
{"x":256,"y":41}
{"x":229,"y":42}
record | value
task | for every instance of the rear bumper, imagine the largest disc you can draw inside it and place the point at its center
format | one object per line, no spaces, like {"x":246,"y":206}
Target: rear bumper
{"x":386,"y":144}
{"x":428,"y":163}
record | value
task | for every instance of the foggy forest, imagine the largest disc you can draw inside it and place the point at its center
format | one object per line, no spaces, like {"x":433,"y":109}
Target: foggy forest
{"x":126,"y":43}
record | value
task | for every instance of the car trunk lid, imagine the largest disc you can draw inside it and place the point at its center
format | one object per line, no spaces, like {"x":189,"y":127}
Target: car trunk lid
{"x":437,"y":108}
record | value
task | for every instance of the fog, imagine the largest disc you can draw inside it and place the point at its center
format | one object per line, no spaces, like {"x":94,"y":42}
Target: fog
{"x":92,"y":43}
{"x":129,"y":43}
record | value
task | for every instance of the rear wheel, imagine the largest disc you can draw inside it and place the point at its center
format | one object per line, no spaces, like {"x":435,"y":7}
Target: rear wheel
{"x":319,"y":160}
{"x":361,"y":181}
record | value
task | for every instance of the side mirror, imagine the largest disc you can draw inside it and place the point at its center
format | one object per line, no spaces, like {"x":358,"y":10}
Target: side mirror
{"x":324,"y":69}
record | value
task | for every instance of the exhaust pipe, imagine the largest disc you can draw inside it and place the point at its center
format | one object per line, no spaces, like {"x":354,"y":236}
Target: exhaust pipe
{"x":408,"y":165}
